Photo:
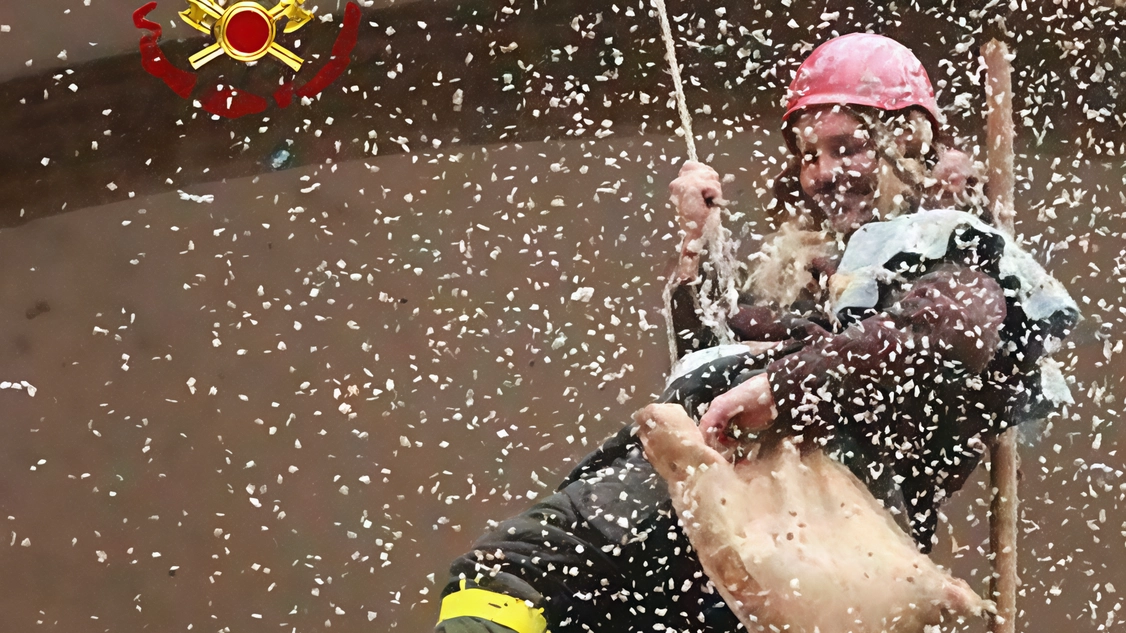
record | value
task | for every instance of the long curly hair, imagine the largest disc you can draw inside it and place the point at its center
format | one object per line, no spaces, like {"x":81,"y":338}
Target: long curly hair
{"x":909,"y":149}
{"x":907,"y":178}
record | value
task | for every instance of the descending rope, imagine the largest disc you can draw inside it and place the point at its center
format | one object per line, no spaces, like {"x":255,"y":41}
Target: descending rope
{"x":670,"y":329}
{"x":718,"y":261}
{"x":674,"y":69}
{"x":689,"y":139}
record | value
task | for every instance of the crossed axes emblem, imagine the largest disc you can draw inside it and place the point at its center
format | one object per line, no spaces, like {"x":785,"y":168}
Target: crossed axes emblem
{"x":245,"y":30}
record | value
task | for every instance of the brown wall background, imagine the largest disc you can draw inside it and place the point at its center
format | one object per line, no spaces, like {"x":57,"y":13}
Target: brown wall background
{"x":433,"y":288}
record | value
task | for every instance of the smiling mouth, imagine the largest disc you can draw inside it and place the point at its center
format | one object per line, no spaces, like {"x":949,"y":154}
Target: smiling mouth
{"x":842,"y":202}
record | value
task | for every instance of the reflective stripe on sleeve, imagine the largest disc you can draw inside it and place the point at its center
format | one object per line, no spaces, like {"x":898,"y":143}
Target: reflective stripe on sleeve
{"x":504,"y":610}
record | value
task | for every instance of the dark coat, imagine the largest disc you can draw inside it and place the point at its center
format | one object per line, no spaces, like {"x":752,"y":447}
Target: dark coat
{"x":603,"y":554}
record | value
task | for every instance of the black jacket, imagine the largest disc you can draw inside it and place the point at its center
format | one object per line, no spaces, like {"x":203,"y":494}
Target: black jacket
{"x":603,"y":554}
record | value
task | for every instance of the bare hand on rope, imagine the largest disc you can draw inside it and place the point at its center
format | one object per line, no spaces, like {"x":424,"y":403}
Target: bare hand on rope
{"x":698,"y":195}
{"x":747,"y":408}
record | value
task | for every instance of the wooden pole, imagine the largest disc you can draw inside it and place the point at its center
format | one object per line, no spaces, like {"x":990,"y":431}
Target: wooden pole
{"x":1004,"y":461}
{"x":999,"y":133}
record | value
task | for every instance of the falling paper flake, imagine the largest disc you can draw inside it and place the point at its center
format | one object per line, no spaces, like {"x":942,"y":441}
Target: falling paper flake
{"x":465,"y":321}
{"x":208,"y":198}
{"x":582,"y":294}
{"x":21,"y":385}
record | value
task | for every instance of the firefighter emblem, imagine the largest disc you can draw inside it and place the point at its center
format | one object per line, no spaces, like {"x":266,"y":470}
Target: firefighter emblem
{"x":245,"y":31}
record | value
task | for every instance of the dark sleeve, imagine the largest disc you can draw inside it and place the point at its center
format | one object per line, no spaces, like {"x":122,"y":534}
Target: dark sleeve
{"x":768,"y":323}
{"x":576,"y":551}
{"x":750,"y":323}
{"x":811,"y":386}
{"x":950,"y":316}
{"x":907,"y":381}
{"x":691,"y":333}
{"x":466,"y":624}
{"x":546,"y":555}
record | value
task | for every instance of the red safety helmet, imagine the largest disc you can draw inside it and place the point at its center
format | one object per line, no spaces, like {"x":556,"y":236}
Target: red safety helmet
{"x":862,"y":69}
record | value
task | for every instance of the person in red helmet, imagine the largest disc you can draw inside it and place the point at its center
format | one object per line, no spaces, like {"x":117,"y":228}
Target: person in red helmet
{"x":878,"y":284}
{"x":867,"y":100}
{"x":862,"y":304}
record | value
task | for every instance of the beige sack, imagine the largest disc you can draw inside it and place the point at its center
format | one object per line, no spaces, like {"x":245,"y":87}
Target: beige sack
{"x":796,"y":540}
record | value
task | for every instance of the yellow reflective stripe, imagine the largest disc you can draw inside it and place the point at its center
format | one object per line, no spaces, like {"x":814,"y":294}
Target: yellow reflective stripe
{"x":494,"y":607}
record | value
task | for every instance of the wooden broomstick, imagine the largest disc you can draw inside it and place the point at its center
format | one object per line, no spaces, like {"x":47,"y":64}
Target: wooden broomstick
{"x":1004,"y":461}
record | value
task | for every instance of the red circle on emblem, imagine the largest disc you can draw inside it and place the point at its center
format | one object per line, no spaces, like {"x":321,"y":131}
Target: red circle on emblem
{"x":247,"y":32}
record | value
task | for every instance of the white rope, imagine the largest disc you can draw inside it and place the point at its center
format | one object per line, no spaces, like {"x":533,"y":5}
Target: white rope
{"x":674,"y":69}
{"x":686,"y":129}
{"x":670,"y":330}
{"x":720,"y":252}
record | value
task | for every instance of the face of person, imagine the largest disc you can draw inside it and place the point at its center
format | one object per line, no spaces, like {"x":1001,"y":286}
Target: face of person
{"x":839,"y":169}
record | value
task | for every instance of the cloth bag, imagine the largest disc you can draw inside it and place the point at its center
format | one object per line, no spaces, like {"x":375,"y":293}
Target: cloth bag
{"x":792,"y":538}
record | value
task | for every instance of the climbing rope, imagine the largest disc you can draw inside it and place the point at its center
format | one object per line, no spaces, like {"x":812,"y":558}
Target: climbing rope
{"x":719,"y":256}
{"x":678,"y":87}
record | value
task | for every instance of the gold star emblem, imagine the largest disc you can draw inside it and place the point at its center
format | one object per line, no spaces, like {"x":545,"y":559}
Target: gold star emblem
{"x":245,"y":30}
